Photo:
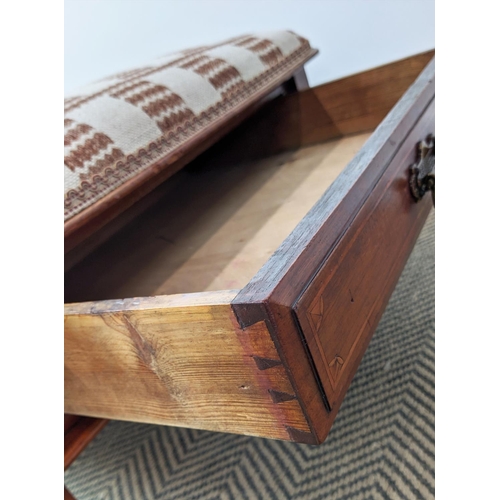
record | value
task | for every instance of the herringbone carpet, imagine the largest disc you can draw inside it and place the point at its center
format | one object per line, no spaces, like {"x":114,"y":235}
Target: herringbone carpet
{"x":381,"y":445}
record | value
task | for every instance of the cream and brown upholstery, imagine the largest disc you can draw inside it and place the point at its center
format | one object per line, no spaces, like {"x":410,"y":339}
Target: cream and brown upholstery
{"x":128,"y":123}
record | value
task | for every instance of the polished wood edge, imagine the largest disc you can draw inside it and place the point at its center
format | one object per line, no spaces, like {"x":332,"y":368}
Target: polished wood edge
{"x":271,"y":294}
{"x":348,"y":80}
{"x":350,"y":105}
{"x":360,"y":284}
{"x":323,"y":415}
{"x":79,"y":436}
{"x":363,"y":172}
{"x":85,"y":223}
{"x":271,"y":315}
{"x":253,"y":314}
{"x":68,"y":495}
{"x":195,"y":299}
{"x":70,"y":421}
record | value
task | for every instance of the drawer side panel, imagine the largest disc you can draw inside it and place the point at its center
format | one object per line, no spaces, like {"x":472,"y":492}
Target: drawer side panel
{"x":178,"y":360}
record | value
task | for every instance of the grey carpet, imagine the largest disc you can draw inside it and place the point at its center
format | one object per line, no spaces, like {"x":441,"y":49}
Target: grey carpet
{"x":380,"y":446}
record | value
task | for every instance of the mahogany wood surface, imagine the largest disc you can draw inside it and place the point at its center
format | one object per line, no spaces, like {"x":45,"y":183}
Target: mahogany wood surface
{"x":341,"y":306}
{"x":79,"y":435}
{"x":70,"y":421}
{"x":349,"y":191}
{"x":271,"y":295}
{"x":68,"y":495}
{"x":90,"y":220}
{"x":351,"y":105}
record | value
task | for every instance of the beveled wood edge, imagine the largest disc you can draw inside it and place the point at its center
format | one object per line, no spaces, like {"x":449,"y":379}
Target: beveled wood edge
{"x":350,"y":105}
{"x":68,"y":495}
{"x":353,"y":79}
{"x":382,"y":142}
{"x":271,"y":294}
{"x":414,"y":217}
{"x":154,"y":302}
{"x":82,"y":225}
{"x":79,"y":436}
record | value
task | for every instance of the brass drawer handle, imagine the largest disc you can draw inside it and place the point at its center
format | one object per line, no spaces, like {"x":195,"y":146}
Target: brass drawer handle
{"x":422,"y":177}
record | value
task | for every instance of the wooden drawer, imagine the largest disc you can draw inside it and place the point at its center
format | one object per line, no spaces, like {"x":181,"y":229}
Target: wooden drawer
{"x":259,"y":273}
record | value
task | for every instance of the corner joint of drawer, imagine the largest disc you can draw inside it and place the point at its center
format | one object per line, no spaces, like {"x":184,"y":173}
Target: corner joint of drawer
{"x":249,"y":314}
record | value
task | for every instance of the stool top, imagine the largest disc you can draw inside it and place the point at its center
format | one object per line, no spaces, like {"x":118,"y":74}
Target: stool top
{"x":134,"y":124}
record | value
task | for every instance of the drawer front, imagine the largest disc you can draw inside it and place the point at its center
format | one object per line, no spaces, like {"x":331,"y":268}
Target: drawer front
{"x":340,"y":307}
{"x":325,"y":288}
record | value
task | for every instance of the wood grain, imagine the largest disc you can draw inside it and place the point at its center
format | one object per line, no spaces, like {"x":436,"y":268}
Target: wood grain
{"x":195,"y":239}
{"x":177,"y":360}
{"x":347,"y":194}
{"x":236,"y":360}
{"x":272,"y":293}
{"x":68,"y":495}
{"x":360,"y":102}
{"x":351,"y":105}
{"x":286,"y":198}
{"x":341,"y":306}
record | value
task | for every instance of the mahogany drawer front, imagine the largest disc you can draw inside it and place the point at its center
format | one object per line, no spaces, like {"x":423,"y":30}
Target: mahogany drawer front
{"x":274,"y":354}
{"x":339,"y":308}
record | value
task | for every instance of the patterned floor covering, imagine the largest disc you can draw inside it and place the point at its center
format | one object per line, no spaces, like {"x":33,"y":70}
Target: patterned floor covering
{"x":380,"y":447}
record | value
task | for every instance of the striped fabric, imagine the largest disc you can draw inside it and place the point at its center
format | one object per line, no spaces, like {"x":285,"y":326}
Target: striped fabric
{"x":381,"y":445}
{"x":124,"y":124}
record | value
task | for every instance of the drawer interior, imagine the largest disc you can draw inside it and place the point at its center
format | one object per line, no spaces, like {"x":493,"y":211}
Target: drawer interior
{"x":291,"y":290}
{"x":213,"y":224}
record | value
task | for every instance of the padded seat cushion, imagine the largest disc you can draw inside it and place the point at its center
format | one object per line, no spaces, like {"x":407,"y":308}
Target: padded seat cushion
{"x":125,"y":124}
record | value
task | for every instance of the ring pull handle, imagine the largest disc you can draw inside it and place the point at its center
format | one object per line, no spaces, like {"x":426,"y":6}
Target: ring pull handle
{"x":422,"y":172}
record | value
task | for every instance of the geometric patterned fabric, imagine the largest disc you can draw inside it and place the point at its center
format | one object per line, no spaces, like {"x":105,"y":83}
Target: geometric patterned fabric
{"x":125,"y":124}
